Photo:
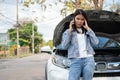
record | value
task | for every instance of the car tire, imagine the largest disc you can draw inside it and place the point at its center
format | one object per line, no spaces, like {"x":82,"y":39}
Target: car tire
{"x":46,"y":78}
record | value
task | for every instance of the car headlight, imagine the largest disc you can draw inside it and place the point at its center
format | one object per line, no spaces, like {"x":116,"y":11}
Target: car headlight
{"x":61,"y":61}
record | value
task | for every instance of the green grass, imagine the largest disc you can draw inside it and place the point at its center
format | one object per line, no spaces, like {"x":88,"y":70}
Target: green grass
{"x":9,"y":56}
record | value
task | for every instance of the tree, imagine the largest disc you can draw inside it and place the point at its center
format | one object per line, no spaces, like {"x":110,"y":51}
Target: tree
{"x":28,"y":2}
{"x":98,"y":4}
{"x":115,"y":7}
{"x":50,"y":43}
{"x":70,"y":5}
{"x":25,"y":34}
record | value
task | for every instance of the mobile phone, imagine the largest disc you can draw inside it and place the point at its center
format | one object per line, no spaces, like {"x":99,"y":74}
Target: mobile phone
{"x":73,"y":26}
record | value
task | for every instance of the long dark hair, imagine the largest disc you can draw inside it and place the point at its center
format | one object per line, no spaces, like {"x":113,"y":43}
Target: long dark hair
{"x":77,"y":12}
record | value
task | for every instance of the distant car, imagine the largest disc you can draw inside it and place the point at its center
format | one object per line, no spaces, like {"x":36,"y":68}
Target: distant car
{"x":107,"y":58}
{"x":46,"y":49}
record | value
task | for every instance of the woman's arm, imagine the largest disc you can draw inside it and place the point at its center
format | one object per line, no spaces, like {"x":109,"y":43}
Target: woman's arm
{"x":93,"y":39}
{"x":66,"y":38}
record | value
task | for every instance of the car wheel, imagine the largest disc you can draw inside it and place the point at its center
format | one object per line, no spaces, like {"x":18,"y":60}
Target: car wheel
{"x":46,"y":71}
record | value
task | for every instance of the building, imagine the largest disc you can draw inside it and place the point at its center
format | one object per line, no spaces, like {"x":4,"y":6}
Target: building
{"x":4,"y":38}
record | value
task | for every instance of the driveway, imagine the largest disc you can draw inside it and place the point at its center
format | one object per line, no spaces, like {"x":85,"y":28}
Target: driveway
{"x":28,"y":68}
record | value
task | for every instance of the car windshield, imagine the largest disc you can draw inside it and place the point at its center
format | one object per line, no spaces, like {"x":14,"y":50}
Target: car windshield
{"x":105,"y":42}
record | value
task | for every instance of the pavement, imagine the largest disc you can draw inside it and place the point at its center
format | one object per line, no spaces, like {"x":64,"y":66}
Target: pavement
{"x":27,"y":68}
{"x":30,"y":68}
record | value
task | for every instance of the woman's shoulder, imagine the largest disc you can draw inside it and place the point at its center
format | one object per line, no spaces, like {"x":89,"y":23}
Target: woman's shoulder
{"x":68,"y":30}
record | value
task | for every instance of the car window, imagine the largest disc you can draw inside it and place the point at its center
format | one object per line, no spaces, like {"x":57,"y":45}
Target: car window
{"x":105,"y":42}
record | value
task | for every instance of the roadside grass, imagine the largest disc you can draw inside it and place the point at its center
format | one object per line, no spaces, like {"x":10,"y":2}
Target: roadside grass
{"x":9,"y":56}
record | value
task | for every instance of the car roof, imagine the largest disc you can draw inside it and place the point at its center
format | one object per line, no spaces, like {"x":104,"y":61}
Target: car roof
{"x":100,"y":21}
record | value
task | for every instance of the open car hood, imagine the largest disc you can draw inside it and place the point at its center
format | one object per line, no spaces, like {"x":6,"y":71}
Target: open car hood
{"x":100,"y":22}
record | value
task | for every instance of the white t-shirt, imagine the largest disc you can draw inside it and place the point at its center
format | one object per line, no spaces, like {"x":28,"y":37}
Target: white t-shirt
{"x":82,"y":46}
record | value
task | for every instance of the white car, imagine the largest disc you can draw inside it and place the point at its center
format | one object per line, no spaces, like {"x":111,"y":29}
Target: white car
{"x":46,"y":49}
{"x":107,"y":57}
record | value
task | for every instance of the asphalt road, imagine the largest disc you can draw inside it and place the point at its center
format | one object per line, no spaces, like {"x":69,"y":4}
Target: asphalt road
{"x":28,"y":68}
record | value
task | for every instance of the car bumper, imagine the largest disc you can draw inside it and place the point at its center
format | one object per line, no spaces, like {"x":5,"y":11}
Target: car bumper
{"x":110,"y":67}
{"x":57,"y":73}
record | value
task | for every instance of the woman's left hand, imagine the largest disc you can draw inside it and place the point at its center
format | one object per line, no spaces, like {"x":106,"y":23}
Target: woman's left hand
{"x":86,"y":26}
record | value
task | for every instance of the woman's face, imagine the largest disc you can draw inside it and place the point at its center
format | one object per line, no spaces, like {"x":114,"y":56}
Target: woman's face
{"x":79,"y":20}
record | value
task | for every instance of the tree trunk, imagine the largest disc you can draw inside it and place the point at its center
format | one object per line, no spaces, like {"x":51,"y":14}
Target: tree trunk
{"x":96,"y":4}
{"x":101,"y":4}
{"x":77,"y":4}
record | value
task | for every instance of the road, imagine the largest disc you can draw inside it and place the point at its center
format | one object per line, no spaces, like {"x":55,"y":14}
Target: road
{"x":28,"y":68}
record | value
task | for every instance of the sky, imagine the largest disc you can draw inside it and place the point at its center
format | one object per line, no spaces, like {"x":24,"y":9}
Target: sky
{"x":46,"y":20}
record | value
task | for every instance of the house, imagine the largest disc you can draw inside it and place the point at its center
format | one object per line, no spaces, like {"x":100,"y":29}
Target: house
{"x":4,"y":38}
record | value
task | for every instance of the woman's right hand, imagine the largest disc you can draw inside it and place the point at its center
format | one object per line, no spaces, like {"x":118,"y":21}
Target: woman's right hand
{"x":70,"y":25}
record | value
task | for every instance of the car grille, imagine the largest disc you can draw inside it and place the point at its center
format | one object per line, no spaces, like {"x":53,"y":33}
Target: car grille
{"x":107,"y":67}
{"x":101,"y":66}
{"x":114,"y":66}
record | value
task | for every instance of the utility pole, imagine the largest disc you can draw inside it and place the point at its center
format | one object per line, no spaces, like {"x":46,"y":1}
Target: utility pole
{"x":17,"y":28}
{"x":33,"y":50}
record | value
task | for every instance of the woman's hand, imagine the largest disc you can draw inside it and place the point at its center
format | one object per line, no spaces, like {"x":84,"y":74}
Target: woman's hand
{"x":86,"y":26}
{"x":70,"y":25}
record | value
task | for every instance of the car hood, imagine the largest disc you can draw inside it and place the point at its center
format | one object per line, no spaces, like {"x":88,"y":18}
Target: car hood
{"x":100,"y":22}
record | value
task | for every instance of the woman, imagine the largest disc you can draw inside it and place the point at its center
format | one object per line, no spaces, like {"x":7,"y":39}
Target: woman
{"x":78,"y":40}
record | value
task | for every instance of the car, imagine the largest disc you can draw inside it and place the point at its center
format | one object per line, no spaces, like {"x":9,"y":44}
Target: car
{"x":106,"y":26}
{"x":46,"y":49}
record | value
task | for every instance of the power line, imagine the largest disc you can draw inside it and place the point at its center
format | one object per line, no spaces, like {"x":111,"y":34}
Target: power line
{"x":7,"y":17}
{"x":7,"y":23}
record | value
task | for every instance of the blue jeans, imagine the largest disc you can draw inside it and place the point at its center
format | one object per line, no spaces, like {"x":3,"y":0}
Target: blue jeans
{"x":84,"y":66}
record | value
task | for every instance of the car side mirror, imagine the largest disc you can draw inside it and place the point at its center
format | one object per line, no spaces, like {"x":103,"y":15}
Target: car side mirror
{"x":54,"y":50}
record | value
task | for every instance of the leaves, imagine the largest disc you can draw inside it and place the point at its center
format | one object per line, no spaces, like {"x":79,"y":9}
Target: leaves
{"x":25,"y":33}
